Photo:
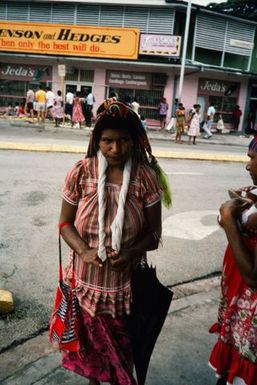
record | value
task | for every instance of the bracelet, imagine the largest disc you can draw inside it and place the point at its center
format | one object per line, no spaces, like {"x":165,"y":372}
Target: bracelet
{"x":63,"y":224}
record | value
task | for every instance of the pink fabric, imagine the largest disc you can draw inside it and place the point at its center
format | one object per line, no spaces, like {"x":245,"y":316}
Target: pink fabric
{"x":107,"y":354}
{"x":77,"y":113}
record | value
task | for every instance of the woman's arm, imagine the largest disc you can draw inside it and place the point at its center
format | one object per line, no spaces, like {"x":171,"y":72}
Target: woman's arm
{"x":148,"y":240}
{"x":72,"y":237}
{"x":246,"y":262}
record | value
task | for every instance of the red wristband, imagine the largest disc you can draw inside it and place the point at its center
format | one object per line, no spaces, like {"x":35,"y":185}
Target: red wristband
{"x":63,"y":224}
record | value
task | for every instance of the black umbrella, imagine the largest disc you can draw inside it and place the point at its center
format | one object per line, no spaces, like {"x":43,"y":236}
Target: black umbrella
{"x":151,"y":301}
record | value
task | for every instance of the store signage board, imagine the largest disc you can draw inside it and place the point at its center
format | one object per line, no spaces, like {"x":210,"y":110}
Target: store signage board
{"x":217,"y":87}
{"x":160,"y":45}
{"x":25,"y":72}
{"x":69,"y":40}
{"x":126,"y":79}
{"x":61,"y":70}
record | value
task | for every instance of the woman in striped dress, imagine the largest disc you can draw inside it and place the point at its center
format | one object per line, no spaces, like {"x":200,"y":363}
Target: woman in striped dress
{"x":111,"y":211}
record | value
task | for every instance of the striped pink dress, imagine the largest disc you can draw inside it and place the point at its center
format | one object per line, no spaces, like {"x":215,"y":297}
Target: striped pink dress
{"x":103,"y":290}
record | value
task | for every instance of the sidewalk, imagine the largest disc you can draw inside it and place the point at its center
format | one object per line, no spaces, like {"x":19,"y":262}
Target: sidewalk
{"x":67,"y":139}
{"x":180,"y":356}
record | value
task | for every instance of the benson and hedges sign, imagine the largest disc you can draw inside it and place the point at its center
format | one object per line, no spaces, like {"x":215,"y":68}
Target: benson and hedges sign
{"x":72,"y":40}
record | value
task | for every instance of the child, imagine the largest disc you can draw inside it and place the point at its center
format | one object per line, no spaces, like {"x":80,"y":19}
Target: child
{"x":220,"y":124}
{"x":194,"y":123}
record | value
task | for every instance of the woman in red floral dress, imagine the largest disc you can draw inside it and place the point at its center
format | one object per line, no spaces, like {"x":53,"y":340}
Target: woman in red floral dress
{"x":234,"y":356}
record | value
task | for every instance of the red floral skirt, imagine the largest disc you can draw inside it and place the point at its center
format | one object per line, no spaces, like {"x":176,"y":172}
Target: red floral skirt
{"x":107,"y":354}
{"x":235,"y":352}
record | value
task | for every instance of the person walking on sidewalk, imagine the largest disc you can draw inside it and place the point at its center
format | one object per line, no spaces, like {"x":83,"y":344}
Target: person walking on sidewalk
{"x":58,"y":109}
{"x":110,"y":216}
{"x":208,"y":124}
{"x":234,"y":356}
{"x":236,"y":116}
{"x":163,"y":109}
{"x":77,"y":111}
{"x":180,"y":123}
{"x":194,"y":123}
{"x":40,"y":98}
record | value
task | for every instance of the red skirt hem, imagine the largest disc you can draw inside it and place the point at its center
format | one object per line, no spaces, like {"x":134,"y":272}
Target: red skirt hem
{"x":225,"y":358}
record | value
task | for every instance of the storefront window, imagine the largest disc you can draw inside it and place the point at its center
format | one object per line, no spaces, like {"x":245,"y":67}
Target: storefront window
{"x":14,"y":92}
{"x":148,"y":100}
{"x":224,"y":106}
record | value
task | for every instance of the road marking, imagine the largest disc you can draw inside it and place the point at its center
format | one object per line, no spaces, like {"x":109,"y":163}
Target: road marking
{"x":189,"y":225}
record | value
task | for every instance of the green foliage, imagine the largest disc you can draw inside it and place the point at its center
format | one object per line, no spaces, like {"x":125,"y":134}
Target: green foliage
{"x":164,"y":183}
{"x":242,"y":8}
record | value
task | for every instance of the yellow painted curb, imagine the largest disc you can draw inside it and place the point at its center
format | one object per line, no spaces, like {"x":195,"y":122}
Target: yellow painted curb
{"x":157,"y":153}
{"x":200,"y":156}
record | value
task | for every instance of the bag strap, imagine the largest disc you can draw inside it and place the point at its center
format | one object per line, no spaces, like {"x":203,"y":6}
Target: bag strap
{"x":60,"y":259}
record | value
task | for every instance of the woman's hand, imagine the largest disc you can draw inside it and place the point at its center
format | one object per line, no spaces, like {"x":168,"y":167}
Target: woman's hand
{"x":121,"y":260}
{"x":91,"y":256}
{"x":232,"y":209}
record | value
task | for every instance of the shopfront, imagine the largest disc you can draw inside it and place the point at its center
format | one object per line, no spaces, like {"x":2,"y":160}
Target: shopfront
{"x":147,"y":88}
{"x":16,"y":79}
{"x":223,"y":95}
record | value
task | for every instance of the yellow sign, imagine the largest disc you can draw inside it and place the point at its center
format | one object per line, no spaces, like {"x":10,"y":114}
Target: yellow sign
{"x":71,"y":40}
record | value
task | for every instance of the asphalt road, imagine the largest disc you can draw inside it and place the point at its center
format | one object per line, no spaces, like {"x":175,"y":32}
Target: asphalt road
{"x":31,"y":182}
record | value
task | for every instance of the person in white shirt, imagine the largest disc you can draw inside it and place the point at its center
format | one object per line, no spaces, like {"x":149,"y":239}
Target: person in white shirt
{"x":50,"y":96}
{"x":68,"y":104}
{"x":207,"y":125}
{"x":135,"y":106}
{"x":90,"y":99}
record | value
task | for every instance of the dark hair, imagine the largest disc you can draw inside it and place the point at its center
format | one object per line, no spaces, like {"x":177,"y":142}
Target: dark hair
{"x":116,"y":116}
{"x":59,"y":92}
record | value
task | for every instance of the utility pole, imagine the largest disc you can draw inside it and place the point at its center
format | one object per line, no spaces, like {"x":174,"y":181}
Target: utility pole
{"x":183,"y":59}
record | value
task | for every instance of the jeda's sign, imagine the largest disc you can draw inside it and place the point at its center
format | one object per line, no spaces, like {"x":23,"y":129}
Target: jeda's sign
{"x":25,"y":72}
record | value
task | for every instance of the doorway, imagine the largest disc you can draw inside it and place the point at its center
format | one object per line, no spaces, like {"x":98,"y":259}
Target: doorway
{"x":83,"y":88}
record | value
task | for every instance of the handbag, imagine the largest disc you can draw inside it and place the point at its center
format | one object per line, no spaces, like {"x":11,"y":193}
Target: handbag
{"x":150,"y":305}
{"x":65,"y":321}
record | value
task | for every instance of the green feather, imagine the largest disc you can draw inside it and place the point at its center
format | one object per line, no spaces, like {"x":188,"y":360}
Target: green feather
{"x":163,"y":181}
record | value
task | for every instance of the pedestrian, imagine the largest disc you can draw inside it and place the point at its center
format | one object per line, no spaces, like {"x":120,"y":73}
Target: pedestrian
{"x":90,"y":100}
{"x":40,"y":98}
{"x":110,"y":217}
{"x":209,"y":121}
{"x":77,"y":111}
{"x":220,"y":125}
{"x":180,"y":123}
{"x":236,"y":116}
{"x":30,"y":98}
{"x":58,"y":109}
{"x":68,"y":104}
{"x":251,"y":120}
{"x":135,"y":106}
{"x":194,"y":123}
{"x":113,"y":97}
{"x":163,"y":109}
{"x":234,"y":355}
{"x":172,"y":123}
{"x":50,"y":96}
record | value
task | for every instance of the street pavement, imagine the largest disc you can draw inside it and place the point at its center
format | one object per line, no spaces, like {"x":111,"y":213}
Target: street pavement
{"x":182,"y":351}
{"x":21,"y":135}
